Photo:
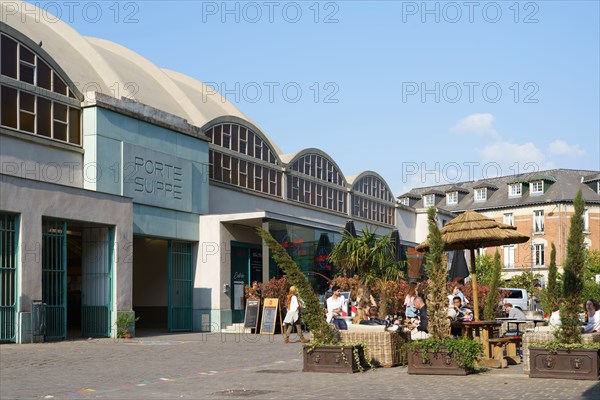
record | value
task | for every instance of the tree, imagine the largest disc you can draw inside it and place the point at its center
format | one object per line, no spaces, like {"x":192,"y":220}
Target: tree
{"x":312,"y":310}
{"x":526,"y":280}
{"x":491,"y":302}
{"x":570,"y":329}
{"x":439,"y":326}
{"x":485,"y":269}
{"x":371,"y":258}
{"x":551,"y":295}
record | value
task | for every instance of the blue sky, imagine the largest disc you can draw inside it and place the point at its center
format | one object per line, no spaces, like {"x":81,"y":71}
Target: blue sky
{"x":422,"y":93}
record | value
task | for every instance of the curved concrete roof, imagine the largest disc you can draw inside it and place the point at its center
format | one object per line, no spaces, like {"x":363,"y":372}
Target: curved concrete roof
{"x":352,"y":180}
{"x":111,"y":68}
{"x":291,"y":158}
{"x":100,"y":65}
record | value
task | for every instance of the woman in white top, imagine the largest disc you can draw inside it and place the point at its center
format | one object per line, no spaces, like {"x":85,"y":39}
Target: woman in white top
{"x":334,"y":305}
{"x":593,"y":321}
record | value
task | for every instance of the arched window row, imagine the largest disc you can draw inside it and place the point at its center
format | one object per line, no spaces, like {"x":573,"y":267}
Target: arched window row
{"x":316,"y":194}
{"x":244,"y":173}
{"x":51,"y":115}
{"x":318,"y":167}
{"x":372,"y":210}
{"x":374,"y":187}
{"x":242,"y":140}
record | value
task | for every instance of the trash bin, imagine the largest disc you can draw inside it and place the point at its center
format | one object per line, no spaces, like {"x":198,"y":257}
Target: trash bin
{"x":38,"y":318}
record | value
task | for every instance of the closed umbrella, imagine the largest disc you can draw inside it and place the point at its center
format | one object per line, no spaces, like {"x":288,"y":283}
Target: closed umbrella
{"x":458,"y":267}
{"x":350,"y":229}
{"x":471,"y":231}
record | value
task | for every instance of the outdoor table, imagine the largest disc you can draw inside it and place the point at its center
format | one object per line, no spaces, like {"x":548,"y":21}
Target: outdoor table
{"x":482,"y":331}
{"x":522,"y":321}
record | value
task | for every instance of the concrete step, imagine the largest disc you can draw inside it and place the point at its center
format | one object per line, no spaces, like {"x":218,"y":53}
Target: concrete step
{"x":236,"y":328}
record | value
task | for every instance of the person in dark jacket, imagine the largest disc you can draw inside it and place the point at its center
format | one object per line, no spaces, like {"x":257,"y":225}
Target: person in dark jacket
{"x":419,"y":328}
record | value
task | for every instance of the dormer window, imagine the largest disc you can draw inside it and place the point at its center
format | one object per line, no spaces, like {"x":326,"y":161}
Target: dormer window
{"x":405,"y":201}
{"x":480,"y":194}
{"x":598,"y":187}
{"x":515,"y":190}
{"x":429,"y":200}
{"x":537,"y":187}
{"x":452,"y":198}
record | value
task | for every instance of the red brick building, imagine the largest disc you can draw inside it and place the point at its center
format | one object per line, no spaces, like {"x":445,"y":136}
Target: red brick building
{"x":539,"y":204}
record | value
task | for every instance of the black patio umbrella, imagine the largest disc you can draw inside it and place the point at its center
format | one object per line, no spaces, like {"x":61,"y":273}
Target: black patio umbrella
{"x":350,"y":228}
{"x":399,"y":251}
{"x":458,"y":267}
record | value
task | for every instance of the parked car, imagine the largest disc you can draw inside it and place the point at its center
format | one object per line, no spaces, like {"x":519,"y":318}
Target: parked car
{"x":517,"y":297}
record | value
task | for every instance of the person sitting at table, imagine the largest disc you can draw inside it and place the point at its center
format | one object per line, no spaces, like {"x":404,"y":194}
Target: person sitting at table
{"x":554,"y":320}
{"x":334,"y":309}
{"x":420,"y":326}
{"x":514,"y":312}
{"x":374,"y":318}
{"x":410,"y":311}
{"x":593,"y":320}
{"x":362,"y":314}
{"x":456,"y":292}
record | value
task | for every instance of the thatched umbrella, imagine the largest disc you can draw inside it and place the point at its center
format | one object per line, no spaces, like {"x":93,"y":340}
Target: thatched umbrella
{"x":472,"y":230}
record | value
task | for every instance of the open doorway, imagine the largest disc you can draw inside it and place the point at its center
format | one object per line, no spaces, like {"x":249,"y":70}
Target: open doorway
{"x":76,"y":279}
{"x":162,"y":285}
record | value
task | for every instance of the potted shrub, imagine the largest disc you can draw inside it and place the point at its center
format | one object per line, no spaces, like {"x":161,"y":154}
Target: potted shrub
{"x":325,"y":353}
{"x":439,"y":354}
{"x":567,"y":356}
{"x":126,"y":324}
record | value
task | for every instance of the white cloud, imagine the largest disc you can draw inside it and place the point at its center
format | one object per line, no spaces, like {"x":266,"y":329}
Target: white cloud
{"x":512,"y":158}
{"x":478,"y":124}
{"x":562,"y":148}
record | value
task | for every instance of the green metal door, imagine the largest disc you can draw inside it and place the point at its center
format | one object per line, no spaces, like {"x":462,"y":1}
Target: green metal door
{"x":180,"y":286}
{"x":54,"y":278}
{"x":96,"y":281}
{"x":8,"y":277}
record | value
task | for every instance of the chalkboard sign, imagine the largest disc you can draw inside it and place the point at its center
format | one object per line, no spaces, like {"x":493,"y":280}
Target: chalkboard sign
{"x":269,"y":317}
{"x":251,"y":315}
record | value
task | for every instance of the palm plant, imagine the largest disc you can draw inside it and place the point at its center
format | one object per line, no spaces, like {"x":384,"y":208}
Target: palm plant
{"x":371,"y":258}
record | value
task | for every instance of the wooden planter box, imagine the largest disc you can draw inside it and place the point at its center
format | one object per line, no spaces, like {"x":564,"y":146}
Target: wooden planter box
{"x":440,"y":363}
{"x":333,"y":359}
{"x":565,"y":364}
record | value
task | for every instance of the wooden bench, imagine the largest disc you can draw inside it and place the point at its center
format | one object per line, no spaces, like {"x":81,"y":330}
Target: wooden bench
{"x":510,"y":343}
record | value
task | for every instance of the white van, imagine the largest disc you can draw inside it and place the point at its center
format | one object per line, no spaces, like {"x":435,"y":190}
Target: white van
{"x":517,"y":297}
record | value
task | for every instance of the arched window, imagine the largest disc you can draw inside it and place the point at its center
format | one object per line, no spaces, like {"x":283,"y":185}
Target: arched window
{"x":315,"y":180}
{"x":240,"y":157}
{"x":34,"y":98}
{"x":372,"y":199}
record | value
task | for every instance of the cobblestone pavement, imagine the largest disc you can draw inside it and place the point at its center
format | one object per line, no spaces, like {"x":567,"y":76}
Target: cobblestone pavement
{"x":198,"y":366}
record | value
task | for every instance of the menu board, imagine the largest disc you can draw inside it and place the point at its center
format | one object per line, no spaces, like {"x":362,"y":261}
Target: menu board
{"x":269,"y":316}
{"x":251,"y":314}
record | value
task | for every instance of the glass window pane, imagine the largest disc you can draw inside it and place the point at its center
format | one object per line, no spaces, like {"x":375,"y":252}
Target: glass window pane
{"x":26,"y":73}
{"x":59,"y":85}
{"x":44,"y":117}
{"x":44,"y":75}
{"x":216,"y":136}
{"x":9,"y":57}
{"x":27,"y":122}
{"x":60,"y":112}
{"x":60,"y":130}
{"x":74,"y":126}
{"x":9,"y":107}
{"x":27,"y":102}
{"x":26,"y":55}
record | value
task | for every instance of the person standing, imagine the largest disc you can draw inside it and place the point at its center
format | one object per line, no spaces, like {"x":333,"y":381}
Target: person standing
{"x":292,"y":316}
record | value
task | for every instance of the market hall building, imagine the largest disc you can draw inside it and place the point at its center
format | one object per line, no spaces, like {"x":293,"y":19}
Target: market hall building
{"x":126,"y":188}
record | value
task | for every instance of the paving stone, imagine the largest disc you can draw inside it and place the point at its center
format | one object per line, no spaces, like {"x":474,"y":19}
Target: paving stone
{"x":229,"y":366}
